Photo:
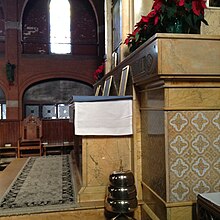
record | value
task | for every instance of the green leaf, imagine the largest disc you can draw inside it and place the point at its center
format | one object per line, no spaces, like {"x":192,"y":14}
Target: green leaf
{"x":188,"y":5}
{"x":205,"y":22}
{"x":188,"y":20}
{"x":137,"y":35}
{"x":163,"y":8}
{"x":171,"y":12}
{"x":195,"y":19}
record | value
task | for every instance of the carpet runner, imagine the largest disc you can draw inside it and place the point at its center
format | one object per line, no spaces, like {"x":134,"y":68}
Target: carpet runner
{"x":44,"y":184}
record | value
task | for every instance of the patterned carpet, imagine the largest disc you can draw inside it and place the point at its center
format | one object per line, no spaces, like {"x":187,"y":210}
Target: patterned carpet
{"x":44,"y":184}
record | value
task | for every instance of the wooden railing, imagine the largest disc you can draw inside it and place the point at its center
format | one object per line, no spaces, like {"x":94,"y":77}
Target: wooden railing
{"x":9,"y":132}
{"x":54,"y":131}
{"x":57,"y":131}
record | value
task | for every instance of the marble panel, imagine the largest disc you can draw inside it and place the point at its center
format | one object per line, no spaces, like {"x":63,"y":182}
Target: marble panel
{"x":103,"y":155}
{"x":186,"y":56}
{"x":191,"y":98}
{"x":153,"y":99}
{"x":153,"y":151}
{"x":212,"y":15}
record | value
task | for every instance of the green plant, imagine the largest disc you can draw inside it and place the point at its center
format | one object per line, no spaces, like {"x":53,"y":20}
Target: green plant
{"x":168,"y":16}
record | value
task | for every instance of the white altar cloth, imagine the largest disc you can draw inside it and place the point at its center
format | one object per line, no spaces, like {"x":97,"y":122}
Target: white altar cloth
{"x":103,"y":117}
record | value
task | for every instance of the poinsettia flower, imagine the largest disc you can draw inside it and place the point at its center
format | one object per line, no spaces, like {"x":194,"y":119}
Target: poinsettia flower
{"x":157,"y":5}
{"x":156,"y":2}
{"x":127,"y":40}
{"x":181,"y":2}
{"x":163,"y":13}
{"x":198,"y":7}
{"x":136,"y":30}
{"x":144,"y":19}
{"x":156,"y":20}
{"x":152,"y":14}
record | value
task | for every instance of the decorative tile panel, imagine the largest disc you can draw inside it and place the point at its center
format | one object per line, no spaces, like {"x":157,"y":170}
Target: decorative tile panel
{"x":32,"y":109}
{"x":49,"y":111}
{"x":63,"y":111}
{"x":193,"y":153}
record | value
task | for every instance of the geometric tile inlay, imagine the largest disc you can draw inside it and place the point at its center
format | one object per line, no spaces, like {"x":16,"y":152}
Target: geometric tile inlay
{"x":179,"y":167}
{"x":200,"y":121}
{"x":216,"y":120}
{"x":179,"y":191}
{"x":193,"y":153}
{"x":49,"y":111}
{"x":200,"y":143}
{"x":32,"y":109}
{"x":179,"y":144}
{"x":217,"y":166}
{"x":216,"y":143}
{"x":178,"y":121}
{"x":217,"y":186}
{"x":201,"y":187}
{"x":63,"y":111}
{"x":200,"y":166}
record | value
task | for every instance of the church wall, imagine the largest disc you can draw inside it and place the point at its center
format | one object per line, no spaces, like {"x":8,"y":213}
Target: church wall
{"x":212,"y":15}
{"x":29,"y":51}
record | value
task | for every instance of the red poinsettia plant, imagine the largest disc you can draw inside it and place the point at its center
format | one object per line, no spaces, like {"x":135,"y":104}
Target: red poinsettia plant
{"x":168,"y":16}
{"x":99,"y":72}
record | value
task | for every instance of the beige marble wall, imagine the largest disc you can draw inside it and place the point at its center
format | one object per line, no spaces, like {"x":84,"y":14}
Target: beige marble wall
{"x":100,"y":157}
{"x":141,"y":7}
{"x":175,"y":147}
{"x":153,"y":140}
{"x":180,"y":123}
{"x":186,"y":56}
{"x":131,"y":12}
{"x":212,"y":15}
{"x":103,"y":155}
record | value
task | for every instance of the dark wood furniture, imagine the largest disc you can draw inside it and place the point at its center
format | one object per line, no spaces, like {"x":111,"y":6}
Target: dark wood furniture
{"x":208,"y":206}
{"x":55,"y":132}
{"x":31,"y":133}
{"x":8,"y":152}
{"x":9,"y":133}
{"x":62,"y":148}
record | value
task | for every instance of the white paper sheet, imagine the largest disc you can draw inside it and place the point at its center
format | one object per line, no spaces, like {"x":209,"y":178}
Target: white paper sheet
{"x":103,"y":118}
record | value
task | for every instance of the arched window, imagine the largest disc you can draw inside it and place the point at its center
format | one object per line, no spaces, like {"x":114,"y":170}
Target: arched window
{"x":60,"y":35}
{"x":2,"y":105}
